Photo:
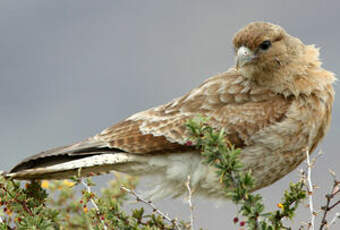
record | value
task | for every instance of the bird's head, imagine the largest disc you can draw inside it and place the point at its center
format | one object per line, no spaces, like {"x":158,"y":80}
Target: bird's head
{"x":263,"y":47}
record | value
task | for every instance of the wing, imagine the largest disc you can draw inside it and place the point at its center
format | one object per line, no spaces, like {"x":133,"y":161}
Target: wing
{"x":232,"y":102}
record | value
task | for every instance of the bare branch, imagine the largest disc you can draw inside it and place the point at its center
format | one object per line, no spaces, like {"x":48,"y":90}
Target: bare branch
{"x":310,"y":191}
{"x":335,"y":204}
{"x":190,"y":203}
{"x":154,"y":208}
{"x":336,"y":216}
{"x":328,"y":207}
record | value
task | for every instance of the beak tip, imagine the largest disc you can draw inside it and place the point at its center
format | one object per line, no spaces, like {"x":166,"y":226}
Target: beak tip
{"x":244,"y":55}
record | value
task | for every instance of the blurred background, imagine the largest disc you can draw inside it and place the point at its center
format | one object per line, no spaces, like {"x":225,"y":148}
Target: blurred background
{"x":69,"y":69}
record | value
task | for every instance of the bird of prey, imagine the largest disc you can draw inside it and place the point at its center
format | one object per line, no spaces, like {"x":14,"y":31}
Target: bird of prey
{"x":275,"y":103}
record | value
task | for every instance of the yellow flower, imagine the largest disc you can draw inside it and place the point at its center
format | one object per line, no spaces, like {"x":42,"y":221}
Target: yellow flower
{"x":279,"y":205}
{"x":44,"y":184}
{"x":9,"y":212}
{"x":69,"y":183}
{"x":85,"y":209}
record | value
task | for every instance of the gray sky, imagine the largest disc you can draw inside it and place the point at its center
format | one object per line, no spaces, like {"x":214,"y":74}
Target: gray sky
{"x":69,"y":69}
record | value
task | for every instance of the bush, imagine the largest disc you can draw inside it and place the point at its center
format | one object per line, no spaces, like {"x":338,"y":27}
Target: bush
{"x":55,"y":204}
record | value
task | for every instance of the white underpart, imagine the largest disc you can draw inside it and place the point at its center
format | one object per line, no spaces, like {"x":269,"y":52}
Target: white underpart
{"x":169,"y":172}
{"x":172,"y":172}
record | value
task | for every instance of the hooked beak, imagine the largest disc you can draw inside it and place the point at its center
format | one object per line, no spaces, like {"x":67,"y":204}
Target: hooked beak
{"x":244,"y":55}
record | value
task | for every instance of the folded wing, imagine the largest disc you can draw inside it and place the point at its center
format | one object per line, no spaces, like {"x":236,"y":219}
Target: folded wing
{"x":230,"y":101}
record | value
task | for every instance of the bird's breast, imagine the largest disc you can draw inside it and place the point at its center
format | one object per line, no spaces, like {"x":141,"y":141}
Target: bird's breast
{"x":278,"y":149}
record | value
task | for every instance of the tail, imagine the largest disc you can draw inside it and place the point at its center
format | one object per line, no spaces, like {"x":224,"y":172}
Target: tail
{"x":87,"y":158}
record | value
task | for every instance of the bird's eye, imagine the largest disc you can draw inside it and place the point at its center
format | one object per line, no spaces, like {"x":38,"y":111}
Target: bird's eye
{"x":265,"y":45}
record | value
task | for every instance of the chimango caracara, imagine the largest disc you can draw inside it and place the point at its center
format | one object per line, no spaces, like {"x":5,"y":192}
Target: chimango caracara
{"x":275,"y":103}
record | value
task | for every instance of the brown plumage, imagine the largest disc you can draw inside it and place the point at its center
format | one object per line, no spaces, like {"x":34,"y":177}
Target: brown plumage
{"x":275,"y":103}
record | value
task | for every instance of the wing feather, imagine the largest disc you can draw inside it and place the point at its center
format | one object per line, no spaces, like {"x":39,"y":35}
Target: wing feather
{"x":229,"y":99}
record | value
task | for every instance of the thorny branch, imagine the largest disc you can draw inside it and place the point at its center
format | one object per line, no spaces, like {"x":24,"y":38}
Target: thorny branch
{"x":22,"y":203}
{"x":154,"y":208}
{"x":93,"y":202}
{"x":328,"y":207}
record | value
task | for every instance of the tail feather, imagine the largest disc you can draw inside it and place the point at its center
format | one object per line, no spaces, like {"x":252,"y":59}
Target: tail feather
{"x":91,"y":155}
{"x":97,"y":164}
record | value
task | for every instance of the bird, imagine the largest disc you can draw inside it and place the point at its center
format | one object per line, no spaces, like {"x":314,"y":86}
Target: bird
{"x":274,"y":104}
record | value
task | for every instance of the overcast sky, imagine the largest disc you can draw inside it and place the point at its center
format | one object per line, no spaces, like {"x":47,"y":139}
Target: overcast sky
{"x":69,"y":69}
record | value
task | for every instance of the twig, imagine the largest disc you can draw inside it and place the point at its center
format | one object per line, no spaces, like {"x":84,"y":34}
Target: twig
{"x":190,"y":203}
{"x":336,"y":216}
{"x":335,"y":204}
{"x":93,"y":202}
{"x":154,"y":208}
{"x":310,"y":191}
{"x":328,"y":207}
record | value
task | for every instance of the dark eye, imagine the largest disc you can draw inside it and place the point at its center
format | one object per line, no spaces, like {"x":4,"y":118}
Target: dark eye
{"x":265,"y":45}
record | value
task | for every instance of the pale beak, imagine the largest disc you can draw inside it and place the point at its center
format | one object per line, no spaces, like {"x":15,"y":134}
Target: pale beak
{"x":244,"y":55}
